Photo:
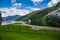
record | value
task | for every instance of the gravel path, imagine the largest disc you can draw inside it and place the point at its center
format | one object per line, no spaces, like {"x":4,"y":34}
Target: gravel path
{"x":36,"y":27}
{"x":41,"y":27}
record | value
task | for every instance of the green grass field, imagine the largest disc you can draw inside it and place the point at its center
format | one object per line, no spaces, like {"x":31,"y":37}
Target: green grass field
{"x":22,"y":32}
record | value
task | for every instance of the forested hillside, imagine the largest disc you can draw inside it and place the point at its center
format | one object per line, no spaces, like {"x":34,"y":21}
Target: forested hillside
{"x":39,"y":17}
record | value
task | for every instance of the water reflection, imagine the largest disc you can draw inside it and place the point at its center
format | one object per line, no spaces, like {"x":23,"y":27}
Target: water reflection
{"x":8,"y":22}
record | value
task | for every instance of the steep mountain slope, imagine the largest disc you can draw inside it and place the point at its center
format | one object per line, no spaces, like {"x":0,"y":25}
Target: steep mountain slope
{"x":10,"y":18}
{"x":39,"y":17}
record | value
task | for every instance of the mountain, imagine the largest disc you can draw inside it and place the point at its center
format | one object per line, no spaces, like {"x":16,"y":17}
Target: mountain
{"x":11,"y":18}
{"x":40,"y":17}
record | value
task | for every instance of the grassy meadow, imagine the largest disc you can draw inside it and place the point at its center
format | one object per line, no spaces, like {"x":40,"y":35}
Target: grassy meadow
{"x":22,"y":32}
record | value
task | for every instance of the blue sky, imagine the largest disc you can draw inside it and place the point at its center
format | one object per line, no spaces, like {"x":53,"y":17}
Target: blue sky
{"x":25,"y":3}
{"x":23,"y":7}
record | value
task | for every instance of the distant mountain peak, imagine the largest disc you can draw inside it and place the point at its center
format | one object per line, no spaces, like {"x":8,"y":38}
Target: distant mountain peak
{"x":10,"y":18}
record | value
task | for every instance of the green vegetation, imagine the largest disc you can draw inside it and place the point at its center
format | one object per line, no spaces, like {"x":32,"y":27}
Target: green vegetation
{"x":39,"y":17}
{"x":22,"y":32}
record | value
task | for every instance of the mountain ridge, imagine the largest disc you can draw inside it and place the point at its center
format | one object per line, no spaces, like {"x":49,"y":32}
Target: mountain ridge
{"x":39,"y":18}
{"x":10,"y":18}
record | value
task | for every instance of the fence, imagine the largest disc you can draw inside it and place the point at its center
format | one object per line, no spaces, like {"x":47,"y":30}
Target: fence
{"x":18,"y":29}
{"x":22,"y":29}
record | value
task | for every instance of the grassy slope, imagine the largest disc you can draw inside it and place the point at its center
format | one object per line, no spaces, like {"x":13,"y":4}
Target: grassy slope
{"x":39,"y":17}
{"x":7,"y":33}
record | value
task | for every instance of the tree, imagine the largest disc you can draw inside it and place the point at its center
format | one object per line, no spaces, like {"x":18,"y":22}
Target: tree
{"x":0,"y":18}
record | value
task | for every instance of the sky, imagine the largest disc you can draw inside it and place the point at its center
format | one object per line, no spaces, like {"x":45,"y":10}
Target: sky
{"x":23,"y":7}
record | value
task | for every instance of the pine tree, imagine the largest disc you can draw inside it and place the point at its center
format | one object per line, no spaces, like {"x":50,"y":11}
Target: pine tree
{"x":0,"y":18}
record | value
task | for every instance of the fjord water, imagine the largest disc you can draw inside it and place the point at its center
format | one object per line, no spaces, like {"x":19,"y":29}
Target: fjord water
{"x":8,"y":22}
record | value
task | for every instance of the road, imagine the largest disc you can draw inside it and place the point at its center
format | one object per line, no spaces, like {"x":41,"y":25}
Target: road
{"x":40,"y":27}
{"x":34,"y":26}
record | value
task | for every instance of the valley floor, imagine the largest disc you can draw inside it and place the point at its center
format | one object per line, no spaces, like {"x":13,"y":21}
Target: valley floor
{"x":39,"y":27}
{"x":29,"y":36}
{"x":23,"y":32}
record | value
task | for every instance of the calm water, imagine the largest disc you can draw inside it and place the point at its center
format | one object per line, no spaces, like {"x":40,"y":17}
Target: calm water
{"x":11,"y":22}
{"x":8,"y":22}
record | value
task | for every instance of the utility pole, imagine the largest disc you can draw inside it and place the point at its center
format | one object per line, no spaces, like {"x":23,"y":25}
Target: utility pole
{"x":29,"y":21}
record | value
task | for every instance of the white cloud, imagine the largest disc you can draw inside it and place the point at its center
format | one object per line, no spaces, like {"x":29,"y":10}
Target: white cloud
{"x":13,"y":1}
{"x":13,"y":11}
{"x":36,"y":1}
{"x":53,"y":3}
{"x":16,"y":4}
{"x":50,"y":4}
{"x":33,"y":8}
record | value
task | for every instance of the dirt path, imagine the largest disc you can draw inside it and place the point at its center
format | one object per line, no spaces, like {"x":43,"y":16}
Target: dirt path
{"x":37,"y":27}
{"x":41,"y":27}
